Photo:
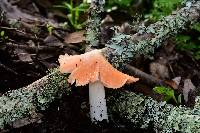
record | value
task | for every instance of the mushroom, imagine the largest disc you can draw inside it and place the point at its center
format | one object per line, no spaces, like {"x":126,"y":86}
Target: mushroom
{"x":93,"y":69}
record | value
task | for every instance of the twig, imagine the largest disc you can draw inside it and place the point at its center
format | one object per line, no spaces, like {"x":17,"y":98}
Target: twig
{"x":139,"y":111}
{"x":22,"y":34}
{"x":15,"y":29}
{"x":144,"y":76}
{"x":8,"y":69}
{"x":93,"y":36}
{"x":32,"y":48}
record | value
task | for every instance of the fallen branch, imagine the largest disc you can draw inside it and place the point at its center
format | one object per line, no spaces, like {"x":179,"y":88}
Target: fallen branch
{"x":137,"y":109}
{"x":26,"y":101}
{"x":143,"y":112}
{"x":144,"y":76}
{"x":122,"y":49}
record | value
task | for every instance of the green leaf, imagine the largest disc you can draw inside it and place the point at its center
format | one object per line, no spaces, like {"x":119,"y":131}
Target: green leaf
{"x":83,"y":7}
{"x":183,"y":38}
{"x":70,"y":18}
{"x":163,"y":7}
{"x":67,"y":5}
{"x":2,"y":33}
{"x":168,"y":93}
{"x":120,"y":2}
{"x":196,"y":26}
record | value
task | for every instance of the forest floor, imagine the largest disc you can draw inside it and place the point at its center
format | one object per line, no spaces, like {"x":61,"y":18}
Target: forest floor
{"x":28,"y":52}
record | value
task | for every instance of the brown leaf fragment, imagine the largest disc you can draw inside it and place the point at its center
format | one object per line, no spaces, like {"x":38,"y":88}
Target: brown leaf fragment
{"x":159,"y":70}
{"x":23,"y":55}
{"x":75,"y":37}
{"x":172,"y":84}
{"x":188,"y":86}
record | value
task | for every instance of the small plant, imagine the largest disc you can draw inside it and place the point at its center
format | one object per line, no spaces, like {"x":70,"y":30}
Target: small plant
{"x":74,"y":11}
{"x":196,"y":27}
{"x":130,"y":7}
{"x":121,"y":3}
{"x":163,"y":8}
{"x":2,"y":35}
{"x":49,"y":28}
{"x":168,"y":94}
{"x":186,"y":41}
{"x":189,"y":44}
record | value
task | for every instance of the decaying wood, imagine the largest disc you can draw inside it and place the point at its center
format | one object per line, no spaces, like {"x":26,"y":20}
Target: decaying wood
{"x":139,"y":110}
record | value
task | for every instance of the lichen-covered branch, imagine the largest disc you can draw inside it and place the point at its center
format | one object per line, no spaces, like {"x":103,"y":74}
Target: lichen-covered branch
{"x":23,"y":102}
{"x":94,"y":23}
{"x":143,"y":112}
{"x":121,"y":49}
{"x":133,"y":108}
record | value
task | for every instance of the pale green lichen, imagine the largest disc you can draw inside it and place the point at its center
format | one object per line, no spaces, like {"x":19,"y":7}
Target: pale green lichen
{"x":94,"y":23}
{"x":121,"y":49}
{"x":141,"y":111}
{"x":24,"y":102}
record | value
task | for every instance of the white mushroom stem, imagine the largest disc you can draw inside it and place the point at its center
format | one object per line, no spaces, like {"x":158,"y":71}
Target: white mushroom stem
{"x":98,"y":108}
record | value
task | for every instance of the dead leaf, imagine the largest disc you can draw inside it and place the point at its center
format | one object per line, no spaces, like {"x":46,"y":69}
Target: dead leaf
{"x":53,"y":41}
{"x":23,"y":55}
{"x":75,"y":37}
{"x":159,"y":70}
{"x":177,"y":80}
{"x":107,"y":19}
{"x":172,"y":84}
{"x":188,"y":86}
{"x":125,"y":28}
